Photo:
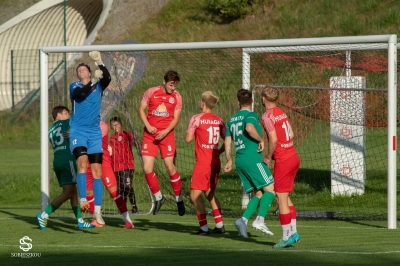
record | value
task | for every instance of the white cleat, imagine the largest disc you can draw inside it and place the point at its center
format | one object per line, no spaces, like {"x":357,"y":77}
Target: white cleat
{"x":262,"y":227}
{"x":99,"y":219}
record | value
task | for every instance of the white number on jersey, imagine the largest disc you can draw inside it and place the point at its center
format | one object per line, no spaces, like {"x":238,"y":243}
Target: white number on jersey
{"x":213,"y":135}
{"x":236,"y":132}
{"x":57,"y":134}
{"x":288,"y":130}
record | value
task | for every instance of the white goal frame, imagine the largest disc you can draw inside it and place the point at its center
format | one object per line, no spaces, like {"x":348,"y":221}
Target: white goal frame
{"x":383,"y":42}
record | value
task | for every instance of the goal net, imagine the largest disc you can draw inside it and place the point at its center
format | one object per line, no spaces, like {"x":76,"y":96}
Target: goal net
{"x":338,"y":92}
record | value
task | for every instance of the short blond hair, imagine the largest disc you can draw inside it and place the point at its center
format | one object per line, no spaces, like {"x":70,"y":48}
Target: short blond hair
{"x":270,"y":94}
{"x":210,"y":99}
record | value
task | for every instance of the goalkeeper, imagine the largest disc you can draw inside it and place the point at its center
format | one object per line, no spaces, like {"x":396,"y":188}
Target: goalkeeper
{"x":85,"y":132}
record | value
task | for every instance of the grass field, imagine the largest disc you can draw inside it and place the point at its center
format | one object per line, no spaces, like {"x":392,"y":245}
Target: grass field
{"x":168,"y":240}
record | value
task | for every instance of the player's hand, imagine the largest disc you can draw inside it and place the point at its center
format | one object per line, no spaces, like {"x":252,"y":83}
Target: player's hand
{"x":151,"y":129}
{"x":228,"y":166}
{"x":109,"y":150}
{"x":260,"y":146}
{"x":96,"y":76}
{"x":96,"y":56}
{"x":267,"y":160}
{"x":162,"y":134}
{"x":65,"y":135}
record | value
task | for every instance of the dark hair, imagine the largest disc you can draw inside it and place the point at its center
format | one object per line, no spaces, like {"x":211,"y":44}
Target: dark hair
{"x":116,"y":119}
{"x":171,"y":75}
{"x":58,"y":110}
{"x":83,"y":64}
{"x":244,"y":97}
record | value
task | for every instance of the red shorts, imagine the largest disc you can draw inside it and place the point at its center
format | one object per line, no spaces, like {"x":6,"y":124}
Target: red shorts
{"x":205,"y":176}
{"x":284,"y":174}
{"x":108,"y":177}
{"x":150,"y":145}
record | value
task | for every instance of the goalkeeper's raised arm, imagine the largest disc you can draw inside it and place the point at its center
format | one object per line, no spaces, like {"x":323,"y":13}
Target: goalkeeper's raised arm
{"x":106,"y":79}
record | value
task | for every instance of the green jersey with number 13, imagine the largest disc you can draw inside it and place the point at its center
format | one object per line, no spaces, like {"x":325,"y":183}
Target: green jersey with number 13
{"x":59,"y":143}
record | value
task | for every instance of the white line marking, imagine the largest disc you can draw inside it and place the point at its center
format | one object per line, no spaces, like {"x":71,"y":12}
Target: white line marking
{"x":216,"y":249}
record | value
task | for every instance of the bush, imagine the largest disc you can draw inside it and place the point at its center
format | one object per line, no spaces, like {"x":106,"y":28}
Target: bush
{"x":232,"y":8}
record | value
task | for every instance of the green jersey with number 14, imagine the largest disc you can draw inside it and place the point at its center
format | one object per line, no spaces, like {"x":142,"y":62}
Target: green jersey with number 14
{"x":59,"y":143}
{"x":246,"y":146}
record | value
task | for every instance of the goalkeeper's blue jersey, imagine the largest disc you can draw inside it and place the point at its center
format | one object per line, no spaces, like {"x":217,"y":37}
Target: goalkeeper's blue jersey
{"x":85,"y":112}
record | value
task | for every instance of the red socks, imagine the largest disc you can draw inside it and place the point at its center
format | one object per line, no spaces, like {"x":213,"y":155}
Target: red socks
{"x":152,"y":181}
{"x":176,"y":183}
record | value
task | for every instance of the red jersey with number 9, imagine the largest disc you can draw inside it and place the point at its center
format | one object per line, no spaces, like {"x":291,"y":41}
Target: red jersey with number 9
{"x":161,"y":106}
{"x":275,"y":119}
{"x":207,"y":128}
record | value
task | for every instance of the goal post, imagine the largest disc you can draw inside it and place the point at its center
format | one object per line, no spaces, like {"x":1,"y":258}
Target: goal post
{"x":247,"y":64}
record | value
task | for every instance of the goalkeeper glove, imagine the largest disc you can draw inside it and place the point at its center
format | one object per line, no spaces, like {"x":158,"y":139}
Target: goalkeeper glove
{"x":97,"y":75}
{"x":96,"y":56}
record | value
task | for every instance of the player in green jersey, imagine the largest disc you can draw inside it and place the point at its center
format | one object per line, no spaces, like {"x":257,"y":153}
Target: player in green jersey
{"x":64,"y":165}
{"x":245,"y":131}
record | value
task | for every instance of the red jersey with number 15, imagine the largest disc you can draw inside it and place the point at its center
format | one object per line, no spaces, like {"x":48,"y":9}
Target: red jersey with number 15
{"x":161,"y":106}
{"x":207,"y":129}
{"x":275,"y":119}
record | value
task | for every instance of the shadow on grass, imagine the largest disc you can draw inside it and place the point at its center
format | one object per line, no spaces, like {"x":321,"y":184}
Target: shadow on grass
{"x":57,"y":224}
{"x":190,"y":230}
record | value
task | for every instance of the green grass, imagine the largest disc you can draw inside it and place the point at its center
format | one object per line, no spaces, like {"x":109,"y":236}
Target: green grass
{"x":168,"y":240}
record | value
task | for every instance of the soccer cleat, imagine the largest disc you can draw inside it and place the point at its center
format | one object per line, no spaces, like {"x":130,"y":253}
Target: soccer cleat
{"x":85,"y":225}
{"x":262,"y":227}
{"x":42,"y":222}
{"x":128,"y":225}
{"x":218,"y":230}
{"x":135,"y":210}
{"x":295,"y":237}
{"x":241,"y":227}
{"x":181,"y":208}
{"x":85,"y":206}
{"x":284,"y":243}
{"x":202,"y":233}
{"x":99,"y":219}
{"x":95,"y":223}
{"x":158,"y":205}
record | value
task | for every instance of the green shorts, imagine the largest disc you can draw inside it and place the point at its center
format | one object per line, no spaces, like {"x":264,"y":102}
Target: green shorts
{"x":255,"y":176}
{"x":65,"y":171}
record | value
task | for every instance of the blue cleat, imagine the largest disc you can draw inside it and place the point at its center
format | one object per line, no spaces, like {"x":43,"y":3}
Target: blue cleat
{"x":85,"y":225}
{"x":284,"y":243}
{"x":42,"y":222}
{"x":295,"y":237}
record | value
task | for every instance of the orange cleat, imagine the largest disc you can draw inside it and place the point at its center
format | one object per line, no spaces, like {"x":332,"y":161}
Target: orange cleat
{"x":96,"y":224}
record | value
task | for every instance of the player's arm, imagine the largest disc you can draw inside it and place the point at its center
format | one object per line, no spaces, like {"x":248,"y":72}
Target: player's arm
{"x":228,"y":155}
{"x":106,"y":79}
{"x":143,"y":116}
{"x":223,"y":136}
{"x":272,"y":141}
{"x":254,"y":134}
{"x":81,"y":92}
{"x":189,"y":137}
{"x":171,"y":126}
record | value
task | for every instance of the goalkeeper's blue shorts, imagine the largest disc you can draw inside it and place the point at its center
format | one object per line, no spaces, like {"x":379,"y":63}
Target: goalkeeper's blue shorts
{"x":89,"y":139}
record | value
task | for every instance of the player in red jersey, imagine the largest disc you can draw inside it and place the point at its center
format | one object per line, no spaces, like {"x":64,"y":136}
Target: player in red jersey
{"x":164,"y":106}
{"x":123,"y":162}
{"x":109,"y":181}
{"x":206,"y":128}
{"x":287,"y":163}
